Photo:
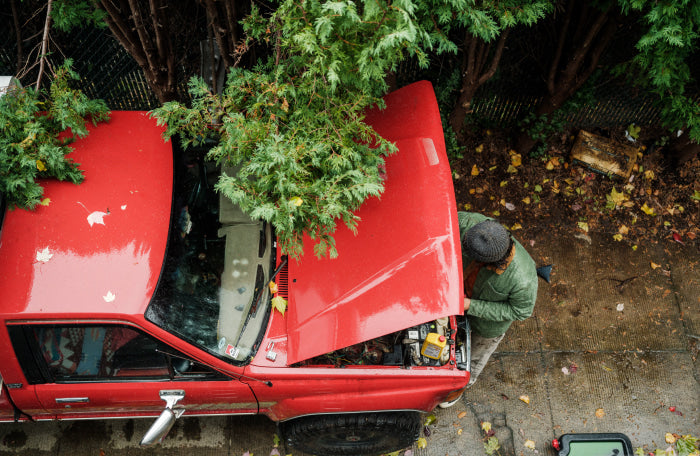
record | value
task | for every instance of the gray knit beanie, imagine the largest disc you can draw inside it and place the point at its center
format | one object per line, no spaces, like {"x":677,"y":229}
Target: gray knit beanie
{"x":487,"y":242}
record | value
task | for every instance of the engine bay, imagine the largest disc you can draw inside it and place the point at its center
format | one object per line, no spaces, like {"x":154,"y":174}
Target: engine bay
{"x":428,"y":344}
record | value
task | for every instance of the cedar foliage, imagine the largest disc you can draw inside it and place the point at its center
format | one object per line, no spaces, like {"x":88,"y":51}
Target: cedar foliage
{"x":31,"y":144}
{"x":293,"y":127}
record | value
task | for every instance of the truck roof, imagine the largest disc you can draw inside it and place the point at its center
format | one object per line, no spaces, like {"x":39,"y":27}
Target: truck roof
{"x":95,"y":249}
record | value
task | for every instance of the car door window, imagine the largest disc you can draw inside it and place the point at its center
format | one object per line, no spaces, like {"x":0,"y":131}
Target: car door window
{"x":74,"y":353}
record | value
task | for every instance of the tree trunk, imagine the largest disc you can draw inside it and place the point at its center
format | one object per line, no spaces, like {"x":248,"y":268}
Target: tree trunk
{"x":479,"y":65}
{"x":147,"y":40}
{"x":575,"y":59}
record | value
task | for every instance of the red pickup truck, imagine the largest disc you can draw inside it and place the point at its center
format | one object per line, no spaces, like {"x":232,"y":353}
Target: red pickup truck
{"x":143,"y":293}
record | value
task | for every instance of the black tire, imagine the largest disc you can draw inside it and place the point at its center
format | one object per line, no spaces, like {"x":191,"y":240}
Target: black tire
{"x":352,"y":433}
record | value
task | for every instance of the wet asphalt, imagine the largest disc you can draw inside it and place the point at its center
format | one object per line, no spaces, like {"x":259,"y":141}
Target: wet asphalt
{"x":612,"y":347}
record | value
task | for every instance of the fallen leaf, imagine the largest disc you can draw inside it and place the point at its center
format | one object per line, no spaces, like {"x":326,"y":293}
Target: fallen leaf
{"x":45,"y":201}
{"x":96,"y":217}
{"x":461,"y":415}
{"x":109,"y":297}
{"x":677,"y":238}
{"x":516,"y":226}
{"x":510,"y":206}
{"x":648,"y":210}
{"x":275,"y":452}
{"x":670,"y":439}
{"x":279,"y":303}
{"x":43,"y":255}
{"x":526,"y":200}
{"x":421,"y":443}
{"x":503,"y":183}
{"x":654,"y":265}
{"x":516,"y":160}
{"x":511,"y":169}
{"x":599,"y":413}
{"x":430,"y":419}
{"x":623,"y":229}
{"x":583,"y":226}
{"x":479,"y":149}
{"x":459,"y":431}
{"x":123,"y":207}
{"x":620,"y":307}
{"x":273,"y":287}
{"x":475,"y":170}
{"x":617,"y":237}
{"x":467,"y":207}
{"x":565,"y":370}
{"x":40,"y":165}
{"x":529,"y":444}
{"x":296,"y":201}
{"x":525,"y":398}
{"x":485,"y":426}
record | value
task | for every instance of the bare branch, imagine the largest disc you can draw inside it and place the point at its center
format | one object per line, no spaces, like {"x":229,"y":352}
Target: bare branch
{"x":44,"y":44}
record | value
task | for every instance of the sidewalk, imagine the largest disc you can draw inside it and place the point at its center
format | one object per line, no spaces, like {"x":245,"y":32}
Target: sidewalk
{"x":631,"y":353}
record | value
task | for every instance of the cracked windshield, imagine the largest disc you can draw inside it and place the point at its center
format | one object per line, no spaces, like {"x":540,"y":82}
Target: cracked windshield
{"x":212,"y":291}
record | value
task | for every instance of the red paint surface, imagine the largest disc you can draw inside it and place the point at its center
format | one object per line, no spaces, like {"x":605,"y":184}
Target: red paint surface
{"x":404,"y":266}
{"x":128,"y":176}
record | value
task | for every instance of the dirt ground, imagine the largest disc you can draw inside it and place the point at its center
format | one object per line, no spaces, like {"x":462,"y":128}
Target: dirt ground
{"x":658,"y":203}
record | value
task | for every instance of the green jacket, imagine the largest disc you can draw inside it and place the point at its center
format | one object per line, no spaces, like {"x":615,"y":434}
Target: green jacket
{"x":499,"y":299}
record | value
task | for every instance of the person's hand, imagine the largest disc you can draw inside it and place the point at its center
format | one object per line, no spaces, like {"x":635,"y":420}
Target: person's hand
{"x":467,"y":303}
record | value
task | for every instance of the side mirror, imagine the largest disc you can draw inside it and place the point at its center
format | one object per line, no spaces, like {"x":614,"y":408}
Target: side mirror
{"x":159,"y":430}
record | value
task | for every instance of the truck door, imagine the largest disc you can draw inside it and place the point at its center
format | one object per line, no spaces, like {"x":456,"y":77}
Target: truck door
{"x":114,"y":370}
{"x":7,"y":412}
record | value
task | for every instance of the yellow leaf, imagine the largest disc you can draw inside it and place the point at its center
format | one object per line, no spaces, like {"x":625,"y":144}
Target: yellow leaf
{"x":549,"y":165}
{"x":493,"y":168}
{"x":479,"y":149}
{"x":615,"y":198}
{"x":40,"y":165}
{"x":670,"y":439}
{"x":504,"y":183}
{"x":279,"y":303}
{"x":512,"y":169}
{"x":634,"y":247}
{"x":648,"y":210}
{"x":296,"y":201}
{"x":472,"y":191}
{"x":617,"y":237}
{"x":529,"y":444}
{"x":525,"y":398}
{"x":517,"y":226}
{"x":45,"y":201}
{"x":467,"y":207}
{"x":421,"y":443}
{"x":526,"y":200}
{"x":496,"y":213}
{"x":475,"y":170}
{"x":599,"y":413}
{"x":583,"y":226}
{"x":649,"y":174}
{"x":502,"y":202}
{"x":516,"y":160}
{"x":623,"y":229}
{"x":273,"y":287}
{"x":654,"y":265}
{"x":486,"y":426}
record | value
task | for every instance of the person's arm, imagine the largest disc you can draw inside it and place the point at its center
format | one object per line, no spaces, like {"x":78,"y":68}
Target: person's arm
{"x":518,"y":306}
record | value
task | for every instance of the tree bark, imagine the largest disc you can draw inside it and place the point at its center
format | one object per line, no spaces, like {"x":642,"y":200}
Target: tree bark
{"x":566,"y":76}
{"x":148,"y":43}
{"x":475,"y":73}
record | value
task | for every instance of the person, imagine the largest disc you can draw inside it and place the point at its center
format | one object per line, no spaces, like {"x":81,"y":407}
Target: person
{"x":500,"y":284}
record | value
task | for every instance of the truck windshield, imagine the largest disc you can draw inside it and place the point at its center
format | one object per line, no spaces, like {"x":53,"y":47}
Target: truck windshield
{"x":213,"y":288}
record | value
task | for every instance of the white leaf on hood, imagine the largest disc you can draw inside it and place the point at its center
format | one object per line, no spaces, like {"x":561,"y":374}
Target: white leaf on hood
{"x":96,"y":217}
{"x":43,"y":255}
{"x":109,"y":297}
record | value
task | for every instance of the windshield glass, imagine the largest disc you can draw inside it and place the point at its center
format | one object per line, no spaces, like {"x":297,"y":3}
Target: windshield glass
{"x":213,"y":287}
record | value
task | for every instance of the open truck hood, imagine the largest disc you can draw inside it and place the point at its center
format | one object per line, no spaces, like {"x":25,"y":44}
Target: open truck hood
{"x":404,"y":265}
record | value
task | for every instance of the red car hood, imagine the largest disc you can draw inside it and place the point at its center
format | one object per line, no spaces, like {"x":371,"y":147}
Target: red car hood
{"x":96,"y":249}
{"x":404,"y":266}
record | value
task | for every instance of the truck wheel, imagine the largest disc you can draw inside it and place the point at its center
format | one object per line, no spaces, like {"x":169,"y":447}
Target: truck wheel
{"x":353,"y":433}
